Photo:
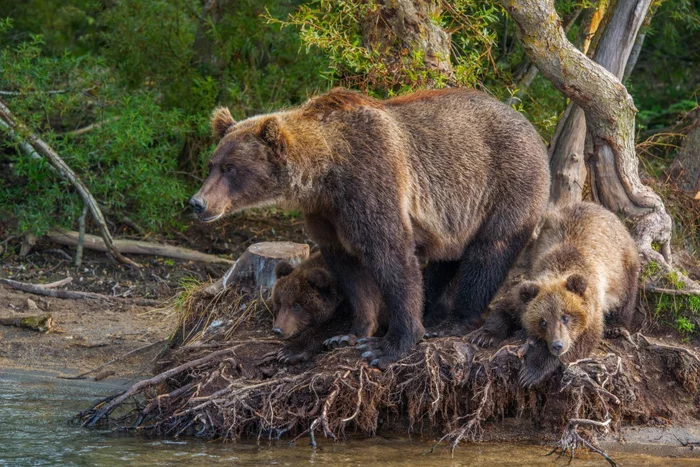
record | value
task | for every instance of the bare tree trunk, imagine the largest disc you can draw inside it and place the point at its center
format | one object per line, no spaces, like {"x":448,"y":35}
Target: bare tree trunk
{"x":566,"y":160}
{"x":403,"y":27}
{"x":609,"y":111}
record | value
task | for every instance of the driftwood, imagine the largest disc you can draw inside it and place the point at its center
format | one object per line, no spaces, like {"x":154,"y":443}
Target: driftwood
{"x":39,"y":323}
{"x":93,"y":242}
{"x":73,"y":295}
{"x":36,"y":148}
{"x":256,"y":267}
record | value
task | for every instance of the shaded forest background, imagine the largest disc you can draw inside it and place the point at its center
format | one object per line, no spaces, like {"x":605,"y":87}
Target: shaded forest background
{"x":123,"y":90}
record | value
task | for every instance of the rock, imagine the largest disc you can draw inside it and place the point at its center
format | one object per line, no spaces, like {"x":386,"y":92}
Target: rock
{"x":31,"y":306}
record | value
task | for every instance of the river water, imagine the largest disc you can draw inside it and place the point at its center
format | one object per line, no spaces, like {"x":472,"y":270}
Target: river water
{"x":35,"y":429}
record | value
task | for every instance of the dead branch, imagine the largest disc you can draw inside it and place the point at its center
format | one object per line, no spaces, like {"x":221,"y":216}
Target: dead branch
{"x":114,"y":360}
{"x":88,"y":128}
{"x":141,"y":385}
{"x":35,"y":147}
{"x":73,"y":295}
{"x":136,"y":247}
{"x":572,"y":440}
{"x":39,"y":323}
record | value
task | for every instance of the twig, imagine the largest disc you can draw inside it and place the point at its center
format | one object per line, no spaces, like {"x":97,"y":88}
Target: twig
{"x":34,"y":146}
{"x":121,"y":357}
{"x":88,"y":128}
{"x":61,"y":283}
{"x":654,"y":289}
{"x":81,"y":237}
{"x":73,"y":295}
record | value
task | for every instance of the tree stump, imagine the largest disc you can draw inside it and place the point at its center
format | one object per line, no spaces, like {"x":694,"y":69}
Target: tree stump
{"x":256,"y":267}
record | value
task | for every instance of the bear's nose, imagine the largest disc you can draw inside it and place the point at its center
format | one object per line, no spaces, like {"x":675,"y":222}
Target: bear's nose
{"x":557,"y":346}
{"x":277,"y":331}
{"x":198,"y":205}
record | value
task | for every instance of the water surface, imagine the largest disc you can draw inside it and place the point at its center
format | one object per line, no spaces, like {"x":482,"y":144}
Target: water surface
{"x":36,"y":408}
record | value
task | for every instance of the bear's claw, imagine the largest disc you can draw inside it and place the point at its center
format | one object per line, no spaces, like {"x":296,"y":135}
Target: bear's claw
{"x":481,"y":338}
{"x":335,"y":342}
{"x":290,"y":357}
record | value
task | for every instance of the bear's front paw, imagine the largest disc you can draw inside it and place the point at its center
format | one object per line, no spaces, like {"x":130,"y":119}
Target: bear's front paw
{"x":538,"y":364}
{"x":291,"y":356}
{"x":482,"y":338}
{"x":379,"y":352}
{"x":335,"y":342}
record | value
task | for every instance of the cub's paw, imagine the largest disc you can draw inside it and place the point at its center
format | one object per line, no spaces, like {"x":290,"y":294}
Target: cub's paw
{"x":538,"y":365}
{"x":292,"y":356}
{"x":482,"y":338}
{"x":335,"y":342}
{"x":379,"y":352}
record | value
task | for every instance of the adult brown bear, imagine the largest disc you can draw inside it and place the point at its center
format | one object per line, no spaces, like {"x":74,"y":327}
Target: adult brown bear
{"x":452,"y":175}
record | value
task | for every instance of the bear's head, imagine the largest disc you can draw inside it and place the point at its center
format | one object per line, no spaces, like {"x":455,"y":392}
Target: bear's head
{"x":246,"y":169}
{"x":303,"y":298}
{"x":555,"y":312}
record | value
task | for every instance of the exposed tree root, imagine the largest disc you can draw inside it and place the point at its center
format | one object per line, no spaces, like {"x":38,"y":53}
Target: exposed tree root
{"x":222,"y":381}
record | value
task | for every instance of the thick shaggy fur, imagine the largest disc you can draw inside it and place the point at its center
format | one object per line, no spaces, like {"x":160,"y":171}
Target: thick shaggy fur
{"x":452,"y":175}
{"x":309,"y":308}
{"x":584,"y":268}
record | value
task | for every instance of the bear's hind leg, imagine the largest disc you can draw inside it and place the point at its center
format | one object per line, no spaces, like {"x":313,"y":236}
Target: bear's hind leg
{"x":483,"y":268}
{"x":438,"y":304}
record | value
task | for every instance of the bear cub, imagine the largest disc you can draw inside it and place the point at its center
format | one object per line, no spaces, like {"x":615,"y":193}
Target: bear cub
{"x":582,"y":276}
{"x":309,"y":309}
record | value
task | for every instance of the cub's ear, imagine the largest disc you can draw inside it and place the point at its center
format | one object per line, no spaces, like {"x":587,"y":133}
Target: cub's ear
{"x":577,"y":284}
{"x":528,"y":291}
{"x":283,"y":269}
{"x":273,"y":134}
{"x":319,"y":278}
{"x":221,"y":122}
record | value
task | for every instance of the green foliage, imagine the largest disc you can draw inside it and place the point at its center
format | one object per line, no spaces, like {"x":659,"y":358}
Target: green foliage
{"x":685,"y":326}
{"x":146,"y":74}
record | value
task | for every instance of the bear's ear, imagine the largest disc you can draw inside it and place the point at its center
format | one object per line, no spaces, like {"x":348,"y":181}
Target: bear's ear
{"x":528,"y":291}
{"x":272,"y":134}
{"x":221,"y":122}
{"x":319,"y":278}
{"x":577,"y":284}
{"x":283,"y":269}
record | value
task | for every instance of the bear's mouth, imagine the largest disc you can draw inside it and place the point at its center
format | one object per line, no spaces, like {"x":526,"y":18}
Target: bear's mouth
{"x":210,"y":219}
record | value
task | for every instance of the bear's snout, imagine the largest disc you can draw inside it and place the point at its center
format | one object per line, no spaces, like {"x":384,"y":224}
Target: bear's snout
{"x":199,"y":205}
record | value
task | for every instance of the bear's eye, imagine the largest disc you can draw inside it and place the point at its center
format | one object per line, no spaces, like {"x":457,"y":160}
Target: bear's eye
{"x":565,"y":319}
{"x":296,"y":308}
{"x":230,"y":169}
{"x":543,"y":323}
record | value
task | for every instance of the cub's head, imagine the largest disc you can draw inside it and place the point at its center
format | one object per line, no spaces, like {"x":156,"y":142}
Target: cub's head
{"x":555,"y":312}
{"x":302,"y":298}
{"x":246,"y":169}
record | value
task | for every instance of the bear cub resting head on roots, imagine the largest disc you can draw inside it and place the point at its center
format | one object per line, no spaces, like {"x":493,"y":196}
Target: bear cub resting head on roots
{"x":582,"y":276}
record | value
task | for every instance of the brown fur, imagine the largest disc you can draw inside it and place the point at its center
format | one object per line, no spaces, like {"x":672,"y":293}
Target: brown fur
{"x":306,"y":300}
{"x":454,"y":175}
{"x":584,"y":269}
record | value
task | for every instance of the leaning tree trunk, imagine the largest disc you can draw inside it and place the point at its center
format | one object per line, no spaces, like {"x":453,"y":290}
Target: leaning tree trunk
{"x":401,"y":28}
{"x":609,"y":111}
{"x":566,"y":150}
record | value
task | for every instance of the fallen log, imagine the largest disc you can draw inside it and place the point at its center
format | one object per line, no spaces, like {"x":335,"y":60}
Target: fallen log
{"x":136,"y":247}
{"x":256,"y":266}
{"x":39,"y":323}
{"x":73,"y":295}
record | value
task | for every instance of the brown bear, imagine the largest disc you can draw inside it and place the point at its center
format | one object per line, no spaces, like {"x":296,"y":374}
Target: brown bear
{"x":583,"y":276}
{"x":451,"y":175}
{"x":310,"y":309}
